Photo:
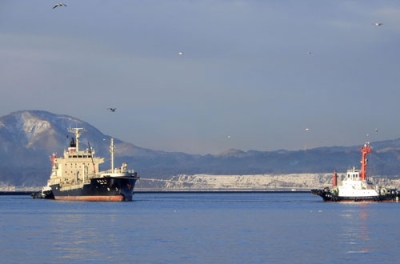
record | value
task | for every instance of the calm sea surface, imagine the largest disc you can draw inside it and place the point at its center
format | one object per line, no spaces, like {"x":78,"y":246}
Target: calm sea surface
{"x":199,"y":228}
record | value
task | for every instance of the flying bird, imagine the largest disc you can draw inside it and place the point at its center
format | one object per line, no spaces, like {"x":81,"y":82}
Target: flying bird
{"x":308,"y":53}
{"x":112,"y":109}
{"x":60,"y":4}
{"x":180,"y":53}
{"x":378,"y":24}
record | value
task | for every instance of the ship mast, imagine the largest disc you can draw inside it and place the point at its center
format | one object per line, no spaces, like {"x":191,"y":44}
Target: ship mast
{"x":364,"y":151}
{"x":77,"y":132}
{"x":112,"y":154}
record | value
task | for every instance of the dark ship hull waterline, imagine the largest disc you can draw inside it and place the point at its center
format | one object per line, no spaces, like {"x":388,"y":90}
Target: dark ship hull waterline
{"x":355,"y":187}
{"x":75,"y":177}
{"x":115,"y":189}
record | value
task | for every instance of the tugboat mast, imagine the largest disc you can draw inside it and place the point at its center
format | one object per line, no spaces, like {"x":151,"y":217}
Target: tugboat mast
{"x":364,"y":151}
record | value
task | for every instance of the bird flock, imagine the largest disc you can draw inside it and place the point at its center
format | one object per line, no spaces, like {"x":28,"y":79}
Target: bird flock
{"x":181,"y":53}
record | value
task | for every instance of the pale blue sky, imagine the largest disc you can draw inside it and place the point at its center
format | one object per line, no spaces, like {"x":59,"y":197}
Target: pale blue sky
{"x":245,"y":72}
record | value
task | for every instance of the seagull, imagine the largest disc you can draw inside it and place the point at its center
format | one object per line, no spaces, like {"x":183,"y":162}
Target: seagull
{"x":308,"y":53}
{"x":112,"y":109}
{"x":60,"y":4}
{"x":378,"y":24}
{"x":307,"y":129}
{"x":180,"y":53}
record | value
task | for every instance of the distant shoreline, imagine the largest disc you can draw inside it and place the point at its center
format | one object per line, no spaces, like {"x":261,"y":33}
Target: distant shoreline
{"x":224,"y":191}
{"x":178,"y":191}
{"x":15,"y":193}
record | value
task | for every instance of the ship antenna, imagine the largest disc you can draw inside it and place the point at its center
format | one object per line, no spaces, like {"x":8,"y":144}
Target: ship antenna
{"x":91,"y":156}
{"x":364,"y":151}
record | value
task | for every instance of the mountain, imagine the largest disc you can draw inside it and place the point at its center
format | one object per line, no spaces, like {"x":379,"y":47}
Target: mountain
{"x":28,"y":138}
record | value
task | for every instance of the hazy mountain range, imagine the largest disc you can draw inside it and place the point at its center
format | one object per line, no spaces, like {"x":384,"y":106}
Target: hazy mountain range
{"x":28,"y":138}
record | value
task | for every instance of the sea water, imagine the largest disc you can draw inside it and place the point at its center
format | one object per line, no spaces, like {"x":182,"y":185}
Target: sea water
{"x":199,"y":228}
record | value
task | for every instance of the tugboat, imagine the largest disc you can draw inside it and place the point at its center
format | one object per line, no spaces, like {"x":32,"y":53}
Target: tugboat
{"x":76,"y":176}
{"x":45,"y":193}
{"x":356,"y":187}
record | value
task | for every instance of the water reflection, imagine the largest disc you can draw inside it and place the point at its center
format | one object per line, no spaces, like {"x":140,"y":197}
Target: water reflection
{"x":77,"y":234}
{"x":355,"y":231}
{"x":174,"y":228}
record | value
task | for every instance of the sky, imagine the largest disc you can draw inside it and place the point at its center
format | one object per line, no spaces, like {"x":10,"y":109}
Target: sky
{"x":254,"y":75}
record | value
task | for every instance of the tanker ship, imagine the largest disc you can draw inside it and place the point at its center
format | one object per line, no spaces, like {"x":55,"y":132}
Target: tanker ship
{"x":76,"y":176}
{"x":356,"y":187}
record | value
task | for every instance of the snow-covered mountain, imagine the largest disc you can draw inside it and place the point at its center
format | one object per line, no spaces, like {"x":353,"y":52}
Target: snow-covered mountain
{"x":28,"y":138}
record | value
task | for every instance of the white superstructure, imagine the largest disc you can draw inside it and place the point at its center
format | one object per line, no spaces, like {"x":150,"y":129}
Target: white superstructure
{"x":354,"y":186}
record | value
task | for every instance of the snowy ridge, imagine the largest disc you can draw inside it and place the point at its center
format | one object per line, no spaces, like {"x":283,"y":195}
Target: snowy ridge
{"x":301,"y":181}
{"x":258,"y":181}
{"x":32,"y":126}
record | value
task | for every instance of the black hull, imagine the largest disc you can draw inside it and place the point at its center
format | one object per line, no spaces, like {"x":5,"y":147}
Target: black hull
{"x":99,"y":189}
{"x":391,"y":196}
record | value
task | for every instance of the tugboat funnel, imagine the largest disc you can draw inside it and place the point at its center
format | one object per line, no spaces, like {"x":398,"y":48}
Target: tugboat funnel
{"x":334,"y":179}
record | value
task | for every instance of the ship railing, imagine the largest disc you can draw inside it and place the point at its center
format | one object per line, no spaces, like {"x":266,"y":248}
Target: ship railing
{"x":118,"y":171}
{"x":72,"y":187}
